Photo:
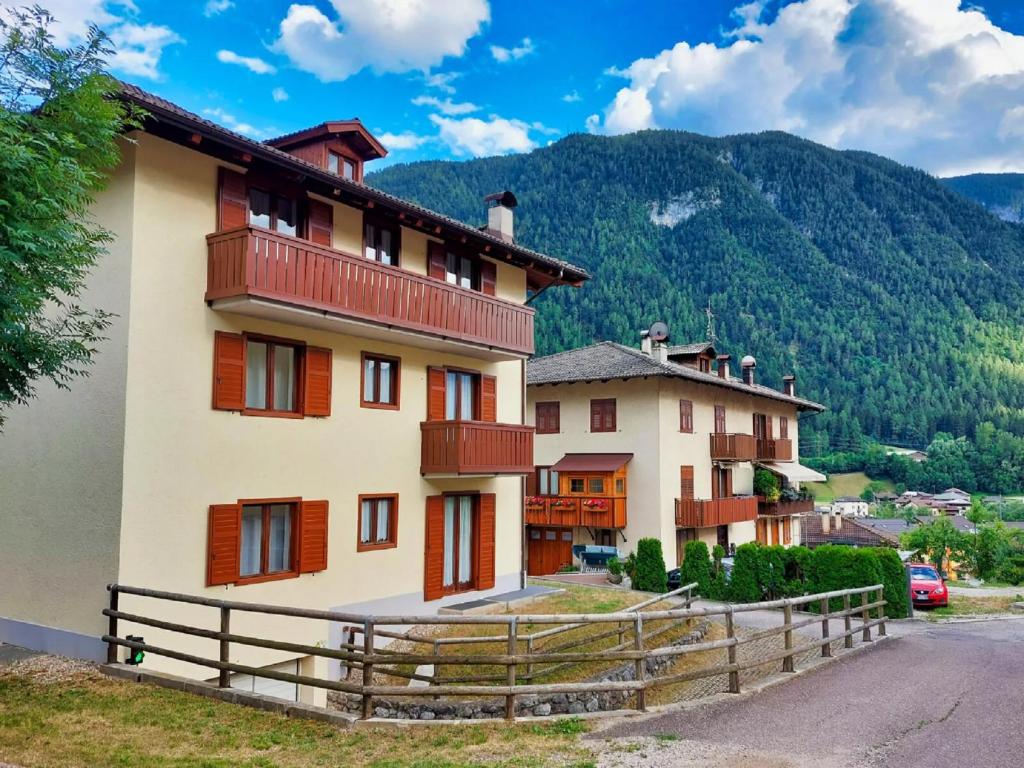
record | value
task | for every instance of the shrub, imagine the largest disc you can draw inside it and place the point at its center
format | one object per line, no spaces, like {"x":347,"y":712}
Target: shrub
{"x":696,"y":567}
{"x":614,"y":566}
{"x":650,"y":567}
{"x":630,"y":566}
{"x":894,"y":577}
{"x":719,"y":589}
{"x":745,"y":586}
{"x":767,"y":484}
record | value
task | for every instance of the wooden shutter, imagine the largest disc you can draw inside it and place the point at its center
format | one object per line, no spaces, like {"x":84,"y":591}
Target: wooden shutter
{"x":728,"y":483}
{"x":488,"y":398}
{"x":312,"y":539}
{"x":602,"y":415}
{"x":232,"y":201}
{"x":433,"y":551}
{"x":437,"y":260}
{"x":783,"y":427}
{"x":714,"y":483}
{"x":768,"y":427}
{"x":787,"y":531}
{"x":223,"y":544}
{"x":321,"y":222}
{"x":686,"y":482}
{"x":531,"y":483}
{"x":720,"y":419}
{"x":609,"y":415}
{"x":485,"y":542}
{"x":317,"y":382}
{"x":435,"y":394}
{"x":488,"y":276}
{"x":228,"y":371}
{"x":686,"y":416}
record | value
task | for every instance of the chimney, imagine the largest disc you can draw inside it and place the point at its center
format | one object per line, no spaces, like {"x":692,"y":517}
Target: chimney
{"x":789,"y":385}
{"x":646,"y":345}
{"x":825,"y":521}
{"x":723,"y":366}
{"x":499,"y":215}
{"x":747,"y":364}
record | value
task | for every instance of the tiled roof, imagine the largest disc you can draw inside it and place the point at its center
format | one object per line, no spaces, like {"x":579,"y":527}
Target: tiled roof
{"x":851,"y":532}
{"x":690,"y":349}
{"x":161,"y":108}
{"x":607,"y":360}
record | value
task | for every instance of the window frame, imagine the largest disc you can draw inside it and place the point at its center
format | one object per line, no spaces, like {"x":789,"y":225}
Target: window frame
{"x":605,"y":405}
{"x":396,"y":379}
{"x":552,"y":409}
{"x":721,"y":427}
{"x":551,"y":475}
{"x":477,"y":378}
{"x":342,"y":159}
{"x":686,"y":416}
{"x":475,"y":283}
{"x":295,"y":503}
{"x":392,"y":541}
{"x":301,"y":218}
{"x":380,"y":224}
{"x":458,"y":587}
{"x":300,"y":367}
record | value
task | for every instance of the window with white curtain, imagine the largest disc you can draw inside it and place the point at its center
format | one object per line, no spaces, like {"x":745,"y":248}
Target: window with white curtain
{"x":279,"y":549}
{"x":380,"y":381}
{"x":271,"y":375}
{"x":460,"y":392}
{"x":266,"y":546}
{"x":458,"y":542}
{"x":378,"y":521}
{"x":252,"y":540}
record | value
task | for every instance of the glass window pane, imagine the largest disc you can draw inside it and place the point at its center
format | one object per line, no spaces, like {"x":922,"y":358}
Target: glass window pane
{"x":449,"y":541}
{"x":383,"y":519}
{"x":252,"y":540}
{"x":279,"y":550}
{"x":385,"y":381}
{"x":576,"y":484}
{"x":451,"y":268}
{"x":544,"y":474}
{"x":554,"y":483}
{"x":465,"y":539}
{"x":466,"y":408}
{"x":596,"y":485}
{"x":287,"y":216}
{"x":332,"y":162}
{"x":256,"y":375}
{"x":365,"y":520}
{"x":466,"y":273}
{"x":450,"y":395}
{"x":348,"y":169}
{"x":384,"y":250}
{"x":370,"y":380}
{"x":370,"y":236}
{"x":259,"y":208}
{"x":284,"y":378}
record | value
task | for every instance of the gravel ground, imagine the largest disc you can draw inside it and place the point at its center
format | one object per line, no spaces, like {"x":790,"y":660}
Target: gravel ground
{"x":50,"y":669}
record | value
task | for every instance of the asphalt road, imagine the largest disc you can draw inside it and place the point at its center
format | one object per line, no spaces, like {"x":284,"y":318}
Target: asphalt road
{"x":937,"y":696}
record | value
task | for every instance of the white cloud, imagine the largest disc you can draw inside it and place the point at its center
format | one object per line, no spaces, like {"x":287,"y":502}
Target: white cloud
{"x":446,"y":106}
{"x":384,"y":35}
{"x":214,"y":7}
{"x":406,"y":140}
{"x":493,"y":136}
{"x":924,"y":81}
{"x":228,"y":120}
{"x":442,"y":81}
{"x":252,"y":63}
{"x":279,"y":94}
{"x":572,"y":98}
{"x":73,"y":17}
{"x":525,"y":48}
{"x":138,"y":48}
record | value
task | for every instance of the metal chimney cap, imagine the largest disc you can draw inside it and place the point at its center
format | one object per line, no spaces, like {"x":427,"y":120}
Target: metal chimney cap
{"x":505,"y":199}
{"x":748,"y":361}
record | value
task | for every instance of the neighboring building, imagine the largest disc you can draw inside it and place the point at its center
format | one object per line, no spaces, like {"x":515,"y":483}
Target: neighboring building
{"x":312,"y":396}
{"x":850,"y":506}
{"x":851,"y":531}
{"x":652,"y":442}
{"x":910,"y":453}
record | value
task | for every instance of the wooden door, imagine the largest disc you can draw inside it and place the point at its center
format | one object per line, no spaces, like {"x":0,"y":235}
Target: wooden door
{"x":548,"y":549}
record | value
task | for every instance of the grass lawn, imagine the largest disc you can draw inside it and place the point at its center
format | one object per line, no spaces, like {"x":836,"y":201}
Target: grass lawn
{"x":961,"y":605}
{"x":843,"y":484}
{"x":86,"y":719}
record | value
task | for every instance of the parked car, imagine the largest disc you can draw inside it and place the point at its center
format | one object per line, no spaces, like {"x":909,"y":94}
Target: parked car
{"x":927,"y":587}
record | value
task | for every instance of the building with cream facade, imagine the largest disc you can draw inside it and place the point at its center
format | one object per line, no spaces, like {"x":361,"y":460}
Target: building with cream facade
{"x":312,"y":395}
{"x":657,"y":442}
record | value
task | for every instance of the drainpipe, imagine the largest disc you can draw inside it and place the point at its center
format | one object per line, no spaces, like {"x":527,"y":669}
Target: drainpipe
{"x":522,"y":483}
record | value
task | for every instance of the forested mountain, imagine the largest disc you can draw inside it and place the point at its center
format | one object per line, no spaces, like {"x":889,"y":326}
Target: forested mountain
{"x":1001,"y":193}
{"x":897,"y":302}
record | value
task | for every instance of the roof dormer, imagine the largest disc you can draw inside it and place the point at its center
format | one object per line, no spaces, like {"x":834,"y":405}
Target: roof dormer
{"x":338,"y":146}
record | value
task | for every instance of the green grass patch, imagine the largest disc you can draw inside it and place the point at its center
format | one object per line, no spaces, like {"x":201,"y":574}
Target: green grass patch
{"x":843,"y":484}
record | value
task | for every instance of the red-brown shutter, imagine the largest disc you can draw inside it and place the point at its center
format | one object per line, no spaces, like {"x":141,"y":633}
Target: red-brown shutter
{"x":783,"y":427}
{"x":233,"y":201}
{"x":317,"y":389}
{"x":609,"y":415}
{"x":720,"y":419}
{"x":321,"y":222}
{"x":485,"y":542}
{"x":435,"y":394}
{"x":488,"y":276}
{"x":312,"y":547}
{"x":768,"y":427}
{"x":433,"y":550}
{"x":437,"y":260}
{"x":531,"y":484}
{"x":228,"y":371}
{"x":223,"y":544}
{"x":714,"y":483}
{"x":728,"y":483}
{"x":686,"y":482}
{"x":595,"y":416}
{"x":488,"y":398}
{"x":686,"y":416}
{"x":787,"y":531}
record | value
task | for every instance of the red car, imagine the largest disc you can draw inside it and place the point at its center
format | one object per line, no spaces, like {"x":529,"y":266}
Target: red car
{"x":927,"y":587}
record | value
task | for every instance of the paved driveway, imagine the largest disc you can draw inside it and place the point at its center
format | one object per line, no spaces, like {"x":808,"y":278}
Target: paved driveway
{"x":935,"y":697}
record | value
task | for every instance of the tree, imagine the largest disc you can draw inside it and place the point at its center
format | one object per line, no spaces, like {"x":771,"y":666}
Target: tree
{"x":651,"y":575}
{"x":696,"y":567}
{"x":938,"y":542}
{"x":59,"y":132}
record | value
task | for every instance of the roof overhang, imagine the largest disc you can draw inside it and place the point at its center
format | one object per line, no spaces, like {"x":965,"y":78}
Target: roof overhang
{"x":591,"y":462}
{"x":793,"y":472}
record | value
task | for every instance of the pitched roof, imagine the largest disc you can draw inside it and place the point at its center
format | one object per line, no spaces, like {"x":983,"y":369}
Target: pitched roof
{"x":607,"y":360}
{"x":691,"y":349}
{"x":851,"y":531}
{"x":591,"y":462}
{"x":164,"y":111}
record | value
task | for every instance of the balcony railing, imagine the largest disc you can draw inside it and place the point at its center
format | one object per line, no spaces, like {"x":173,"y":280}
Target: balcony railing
{"x":704,"y":513}
{"x":784,"y":508}
{"x":254,"y":263}
{"x":475,"y":448}
{"x":734,"y":447}
{"x":573,"y":511}
{"x":775,"y":449}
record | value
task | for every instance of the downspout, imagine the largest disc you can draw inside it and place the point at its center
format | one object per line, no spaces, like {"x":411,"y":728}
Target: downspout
{"x":522,"y":484}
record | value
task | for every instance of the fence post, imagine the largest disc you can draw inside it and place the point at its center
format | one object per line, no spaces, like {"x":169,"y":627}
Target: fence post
{"x":730,"y":633}
{"x":622,"y":634}
{"x":435,"y":680}
{"x":510,"y":677}
{"x":865,"y":617}
{"x":826,"y":647}
{"x":367,"y":668}
{"x":640,"y":665}
{"x":847,"y":621}
{"x":112,"y":626}
{"x":529,"y":666}
{"x":881,"y":613}
{"x":787,"y":614}
{"x":224,"y":679}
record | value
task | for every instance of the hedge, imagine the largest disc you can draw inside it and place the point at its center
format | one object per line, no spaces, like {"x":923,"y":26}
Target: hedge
{"x":696,"y":567}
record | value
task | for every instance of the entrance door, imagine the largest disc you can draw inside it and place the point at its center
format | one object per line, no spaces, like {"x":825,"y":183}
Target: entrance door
{"x":548,"y":550}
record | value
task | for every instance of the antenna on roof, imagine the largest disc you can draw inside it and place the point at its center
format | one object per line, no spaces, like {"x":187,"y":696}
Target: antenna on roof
{"x":710,"y":333}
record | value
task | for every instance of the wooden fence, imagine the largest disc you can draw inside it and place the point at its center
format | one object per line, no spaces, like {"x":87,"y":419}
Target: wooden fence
{"x":523,"y":659}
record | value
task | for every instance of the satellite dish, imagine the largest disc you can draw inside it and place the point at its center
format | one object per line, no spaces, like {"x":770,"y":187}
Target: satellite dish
{"x":658,"y":332}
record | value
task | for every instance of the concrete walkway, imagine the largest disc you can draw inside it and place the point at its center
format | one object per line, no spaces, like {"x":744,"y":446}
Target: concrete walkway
{"x":765,"y":619}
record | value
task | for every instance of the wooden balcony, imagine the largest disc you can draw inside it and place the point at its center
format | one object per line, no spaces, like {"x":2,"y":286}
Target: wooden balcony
{"x":784,"y":508}
{"x":475,"y":448}
{"x":704,"y":513}
{"x":775,"y":449}
{"x":256,"y":272}
{"x":733,"y":447}
{"x":573,"y":511}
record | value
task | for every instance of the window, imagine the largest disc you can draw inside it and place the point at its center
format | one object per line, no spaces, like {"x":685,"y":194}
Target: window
{"x":271,"y":376}
{"x":720,"y":419}
{"x":589,"y":484}
{"x":381,"y":381}
{"x":577,"y":485}
{"x":458,"y":543}
{"x":762,"y":426}
{"x":783,"y":427}
{"x":620,"y":486}
{"x":273,"y":211}
{"x":380,"y":242}
{"x":378,"y":522}
{"x":602,"y":415}
{"x":547,"y":481}
{"x":595,"y":485}
{"x":462,"y":271}
{"x":460,"y":395}
{"x":548,"y":418}
{"x":341,"y":165}
{"x":686,"y":416}
{"x":704,"y":364}
{"x":266,"y":547}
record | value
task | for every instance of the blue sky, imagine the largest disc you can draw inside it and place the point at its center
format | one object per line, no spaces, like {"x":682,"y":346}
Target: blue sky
{"x":934,"y":83}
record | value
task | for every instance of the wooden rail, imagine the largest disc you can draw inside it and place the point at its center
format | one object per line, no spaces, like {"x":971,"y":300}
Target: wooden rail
{"x":704,"y":513}
{"x":637,"y":649}
{"x":775,"y":449}
{"x":258,"y":263}
{"x":737,"y":447}
{"x":475,"y":448}
{"x":784,"y":508}
{"x":573,"y":511}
